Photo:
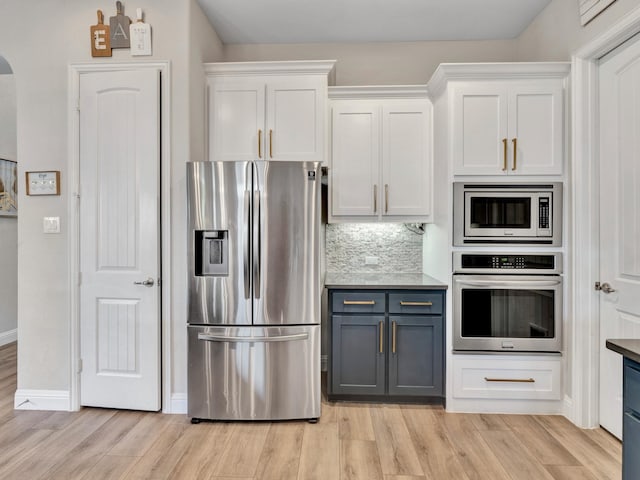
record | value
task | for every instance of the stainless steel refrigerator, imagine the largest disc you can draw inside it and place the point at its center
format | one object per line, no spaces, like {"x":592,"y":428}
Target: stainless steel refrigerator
{"x":254,"y":290}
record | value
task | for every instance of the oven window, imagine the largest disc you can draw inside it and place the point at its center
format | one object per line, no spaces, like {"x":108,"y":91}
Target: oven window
{"x":508,"y":313}
{"x":500,"y":212}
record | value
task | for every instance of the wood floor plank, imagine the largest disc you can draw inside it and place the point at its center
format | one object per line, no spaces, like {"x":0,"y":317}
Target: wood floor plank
{"x":606,"y":440}
{"x":488,"y":422}
{"x":397,"y":453}
{"x":474,"y":455}
{"x":280,"y":456}
{"x":435,"y":452}
{"x":601,"y":463}
{"x":242,"y":461}
{"x":320,"y":454}
{"x":161,"y":458}
{"x":403,"y":477}
{"x":140,"y":438}
{"x":516,"y":459}
{"x":110,"y":467}
{"x":563,"y":472}
{"x":539,"y":441}
{"x":359,"y":460}
{"x":89,"y":452}
{"x":328,"y":412}
{"x":354,"y":422}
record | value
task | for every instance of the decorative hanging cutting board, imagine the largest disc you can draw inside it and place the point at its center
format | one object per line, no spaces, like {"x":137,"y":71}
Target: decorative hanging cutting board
{"x":119,"y":28}
{"x":100,"y":38}
{"x":140,"y":36}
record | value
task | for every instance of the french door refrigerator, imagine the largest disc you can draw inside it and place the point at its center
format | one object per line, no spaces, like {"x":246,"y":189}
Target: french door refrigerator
{"x":254,"y":290}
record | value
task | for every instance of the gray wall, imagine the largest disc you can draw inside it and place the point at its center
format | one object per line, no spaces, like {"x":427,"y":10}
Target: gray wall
{"x":8,"y":225}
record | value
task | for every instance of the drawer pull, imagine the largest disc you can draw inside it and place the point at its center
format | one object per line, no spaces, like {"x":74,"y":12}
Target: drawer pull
{"x":381,"y":328}
{"x":359,"y":302}
{"x":513,"y":380}
{"x":416,"y":304}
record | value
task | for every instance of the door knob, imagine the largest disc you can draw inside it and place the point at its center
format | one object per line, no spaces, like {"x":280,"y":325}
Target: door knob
{"x":147,"y":283}
{"x":604,"y":287}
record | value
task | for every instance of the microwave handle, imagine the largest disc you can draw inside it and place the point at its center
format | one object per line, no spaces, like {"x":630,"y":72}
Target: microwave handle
{"x":509,"y":283}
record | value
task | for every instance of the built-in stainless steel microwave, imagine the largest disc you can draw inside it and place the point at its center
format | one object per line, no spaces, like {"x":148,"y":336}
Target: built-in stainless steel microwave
{"x":507,"y":213}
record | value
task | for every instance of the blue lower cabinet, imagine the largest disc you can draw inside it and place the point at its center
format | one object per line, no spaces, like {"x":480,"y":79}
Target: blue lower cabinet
{"x":631,"y":421}
{"x":386,"y":344}
{"x":358,"y":354}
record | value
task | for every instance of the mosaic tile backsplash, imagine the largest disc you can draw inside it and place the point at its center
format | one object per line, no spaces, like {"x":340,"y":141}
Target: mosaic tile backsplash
{"x":348,"y":244}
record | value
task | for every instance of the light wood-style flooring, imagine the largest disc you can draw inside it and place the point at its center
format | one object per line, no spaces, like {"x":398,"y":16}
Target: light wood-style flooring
{"x":351,"y":441}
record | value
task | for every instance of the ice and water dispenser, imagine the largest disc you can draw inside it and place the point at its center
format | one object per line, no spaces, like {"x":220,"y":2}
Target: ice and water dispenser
{"x":212,"y":253}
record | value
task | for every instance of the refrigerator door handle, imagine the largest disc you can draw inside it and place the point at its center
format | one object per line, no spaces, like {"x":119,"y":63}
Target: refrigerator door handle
{"x":256,"y":244}
{"x":231,"y":339}
{"x":246,"y":241}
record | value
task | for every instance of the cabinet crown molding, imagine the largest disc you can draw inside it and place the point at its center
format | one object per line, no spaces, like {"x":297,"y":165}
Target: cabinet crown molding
{"x":494,"y":71}
{"x":378,"y":91}
{"x":290,"y":67}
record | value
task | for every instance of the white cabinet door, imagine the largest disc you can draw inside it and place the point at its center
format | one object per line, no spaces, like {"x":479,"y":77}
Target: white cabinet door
{"x":406,"y":158}
{"x":536,"y":124}
{"x":295,"y":120}
{"x":480,"y":130}
{"x":236,"y":120}
{"x":355,"y":159}
{"x":508,"y":129}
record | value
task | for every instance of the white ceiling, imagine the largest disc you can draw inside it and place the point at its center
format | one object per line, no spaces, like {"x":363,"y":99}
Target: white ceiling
{"x":348,"y":21}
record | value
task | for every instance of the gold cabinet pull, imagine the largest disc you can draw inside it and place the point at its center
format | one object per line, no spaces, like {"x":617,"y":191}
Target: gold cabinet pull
{"x":270,"y":143}
{"x":416,"y":304}
{"x":515,"y":153}
{"x":381,"y":329}
{"x":512,"y":380}
{"x":393,"y":336}
{"x":375,"y":199}
{"x":504,"y":155}
{"x":359,"y":302}
{"x":386,"y":198}
{"x":259,"y":143}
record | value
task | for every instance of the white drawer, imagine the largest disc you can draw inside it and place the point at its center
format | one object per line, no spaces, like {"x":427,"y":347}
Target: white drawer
{"x":507,"y":377}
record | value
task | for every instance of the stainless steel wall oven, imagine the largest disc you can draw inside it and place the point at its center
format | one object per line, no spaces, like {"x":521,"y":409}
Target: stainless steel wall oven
{"x":507,"y":302}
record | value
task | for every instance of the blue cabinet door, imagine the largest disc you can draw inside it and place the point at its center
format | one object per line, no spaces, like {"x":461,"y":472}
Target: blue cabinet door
{"x":415,"y":355}
{"x":358,"y":350}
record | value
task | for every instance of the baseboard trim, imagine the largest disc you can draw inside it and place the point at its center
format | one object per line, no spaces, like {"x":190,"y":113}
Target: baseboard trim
{"x":8,"y":337}
{"x":59,"y":400}
{"x":178,"y":404}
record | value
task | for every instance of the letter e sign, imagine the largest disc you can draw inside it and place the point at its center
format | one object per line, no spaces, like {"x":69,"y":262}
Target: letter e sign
{"x":100,"y":38}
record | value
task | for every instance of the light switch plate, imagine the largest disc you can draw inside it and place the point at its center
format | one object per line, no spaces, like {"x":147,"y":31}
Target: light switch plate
{"x":43,"y":183}
{"x":51,"y":224}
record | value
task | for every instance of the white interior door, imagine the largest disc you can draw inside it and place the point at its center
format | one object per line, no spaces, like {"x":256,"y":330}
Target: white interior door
{"x":120,"y":239}
{"x":619,"y":219}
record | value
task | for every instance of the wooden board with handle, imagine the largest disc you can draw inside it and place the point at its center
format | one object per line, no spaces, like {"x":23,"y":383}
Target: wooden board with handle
{"x":140,"y":36}
{"x":100,"y":38}
{"x":119,"y":28}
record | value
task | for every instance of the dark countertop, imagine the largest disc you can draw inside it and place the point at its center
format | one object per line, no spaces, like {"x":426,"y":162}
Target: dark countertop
{"x":627,"y":347}
{"x":382,"y":280}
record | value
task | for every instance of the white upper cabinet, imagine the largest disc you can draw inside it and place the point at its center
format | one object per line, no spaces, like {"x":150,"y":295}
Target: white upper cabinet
{"x":506,"y":119}
{"x":267,"y":110}
{"x":381,"y":154}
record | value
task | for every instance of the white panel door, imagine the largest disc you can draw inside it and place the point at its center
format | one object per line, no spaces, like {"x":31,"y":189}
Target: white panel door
{"x":355,"y":159}
{"x":236,"y":120}
{"x":120,"y":239}
{"x":479,"y":130}
{"x":619,"y":219}
{"x":536,"y":125}
{"x":295,"y":120}
{"x":406,"y":158}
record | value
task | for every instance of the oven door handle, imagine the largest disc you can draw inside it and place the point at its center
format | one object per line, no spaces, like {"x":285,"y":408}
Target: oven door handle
{"x":509,"y":283}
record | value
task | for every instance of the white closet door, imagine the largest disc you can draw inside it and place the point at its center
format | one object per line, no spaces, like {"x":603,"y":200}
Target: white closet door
{"x":619,"y":219}
{"x":120,"y":239}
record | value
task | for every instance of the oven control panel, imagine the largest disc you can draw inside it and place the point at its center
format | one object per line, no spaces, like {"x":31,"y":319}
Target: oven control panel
{"x":545,"y":263}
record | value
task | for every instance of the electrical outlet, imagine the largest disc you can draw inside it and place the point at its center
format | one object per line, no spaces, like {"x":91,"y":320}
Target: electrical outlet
{"x":371,"y":260}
